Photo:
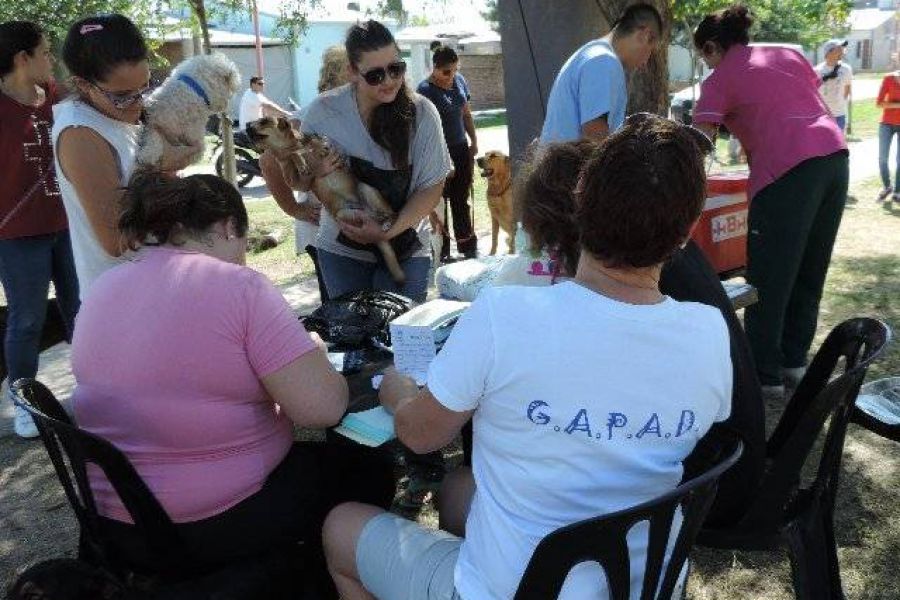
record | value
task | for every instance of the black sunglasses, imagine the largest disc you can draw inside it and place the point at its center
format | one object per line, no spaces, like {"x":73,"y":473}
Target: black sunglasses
{"x":702,"y":140}
{"x":376,"y":76}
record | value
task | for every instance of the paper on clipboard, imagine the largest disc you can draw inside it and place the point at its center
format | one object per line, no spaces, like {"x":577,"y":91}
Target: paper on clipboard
{"x":413,"y":347}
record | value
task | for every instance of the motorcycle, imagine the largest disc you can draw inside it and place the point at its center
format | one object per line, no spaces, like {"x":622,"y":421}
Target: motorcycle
{"x":246,"y":157}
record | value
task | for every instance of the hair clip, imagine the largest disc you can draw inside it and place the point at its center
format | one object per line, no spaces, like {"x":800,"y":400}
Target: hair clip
{"x":90,"y":27}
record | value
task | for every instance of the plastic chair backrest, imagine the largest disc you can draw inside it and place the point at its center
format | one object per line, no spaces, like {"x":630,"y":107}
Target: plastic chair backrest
{"x":603,"y":539}
{"x":820,"y":397}
{"x":70,"y":450}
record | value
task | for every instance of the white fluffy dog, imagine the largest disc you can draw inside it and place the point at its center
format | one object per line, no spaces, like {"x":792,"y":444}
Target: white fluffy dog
{"x":177,"y":111}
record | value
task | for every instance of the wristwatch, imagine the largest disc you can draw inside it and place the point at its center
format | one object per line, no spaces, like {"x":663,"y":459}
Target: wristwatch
{"x":386,"y":226}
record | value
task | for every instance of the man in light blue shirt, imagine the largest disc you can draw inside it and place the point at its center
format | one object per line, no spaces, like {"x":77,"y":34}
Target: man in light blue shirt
{"x":589,"y":96}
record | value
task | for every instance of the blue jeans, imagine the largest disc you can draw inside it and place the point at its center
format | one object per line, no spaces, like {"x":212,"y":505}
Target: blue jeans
{"x":343,"y":275}
{"x":27,"y":265}
{"x":886,"y":135}
{"x":841,"y":121}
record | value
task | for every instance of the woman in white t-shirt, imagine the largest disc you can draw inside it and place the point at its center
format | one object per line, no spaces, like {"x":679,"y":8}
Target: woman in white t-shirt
{"x":585,"y":396}
{"x":95,"y":135}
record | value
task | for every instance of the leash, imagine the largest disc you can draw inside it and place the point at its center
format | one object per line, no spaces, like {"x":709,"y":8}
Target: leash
{"x":31,"y":191}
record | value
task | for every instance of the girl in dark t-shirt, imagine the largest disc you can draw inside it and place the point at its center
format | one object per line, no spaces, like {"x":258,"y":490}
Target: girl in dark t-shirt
{"x":34,"y":233}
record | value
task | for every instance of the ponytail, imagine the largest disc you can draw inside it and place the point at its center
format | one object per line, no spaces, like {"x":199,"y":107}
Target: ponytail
{"x":726,"y":28}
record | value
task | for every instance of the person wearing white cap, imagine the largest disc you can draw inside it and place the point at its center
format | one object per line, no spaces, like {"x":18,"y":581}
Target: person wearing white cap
{"x":836,"y":77}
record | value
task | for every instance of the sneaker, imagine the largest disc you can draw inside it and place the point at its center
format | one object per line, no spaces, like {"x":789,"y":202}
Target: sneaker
{"x":773,"y":393}
{"x":895,"y":198}
{"x":883,"y":194}
{"x":793,"y":375}
{"x":24,"y":424}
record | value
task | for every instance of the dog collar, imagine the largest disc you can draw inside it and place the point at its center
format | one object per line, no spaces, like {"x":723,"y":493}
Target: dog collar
{"x":198,"y":89}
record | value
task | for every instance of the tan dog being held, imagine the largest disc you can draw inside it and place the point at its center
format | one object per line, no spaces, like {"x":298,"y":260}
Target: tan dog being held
{"x":494,"y":167}
{"x":339,"y":192}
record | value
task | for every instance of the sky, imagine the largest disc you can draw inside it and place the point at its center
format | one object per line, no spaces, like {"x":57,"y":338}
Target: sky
{"x":464,"y":12}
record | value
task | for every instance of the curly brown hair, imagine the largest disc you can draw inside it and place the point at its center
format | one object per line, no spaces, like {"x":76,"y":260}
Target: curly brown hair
{"x":334,"y":68}
{"x":545,"y":200}
{"x":641,"y":192}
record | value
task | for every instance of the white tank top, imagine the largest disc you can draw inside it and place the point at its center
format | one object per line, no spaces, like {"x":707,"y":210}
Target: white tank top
{"x":91,"y":260}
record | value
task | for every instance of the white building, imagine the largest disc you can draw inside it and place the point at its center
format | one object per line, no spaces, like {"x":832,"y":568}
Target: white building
{"x":874,"y":39}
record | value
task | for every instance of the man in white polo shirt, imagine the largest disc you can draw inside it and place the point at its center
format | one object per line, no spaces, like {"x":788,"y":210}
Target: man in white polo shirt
{"x":837,"y":77}
{"x":255,"y":105}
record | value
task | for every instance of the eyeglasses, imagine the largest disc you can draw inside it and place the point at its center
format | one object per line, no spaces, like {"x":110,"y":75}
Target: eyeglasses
{"x":122,"y":100}
{"x":376,"y":76}
{"x":702,"y":140}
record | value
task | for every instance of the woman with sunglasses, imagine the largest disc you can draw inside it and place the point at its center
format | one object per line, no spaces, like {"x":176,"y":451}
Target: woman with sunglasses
{"x":393,"y":141}
{"x":95,"y":135}
{"x":799,"y":171}
{"x":449,"y":92}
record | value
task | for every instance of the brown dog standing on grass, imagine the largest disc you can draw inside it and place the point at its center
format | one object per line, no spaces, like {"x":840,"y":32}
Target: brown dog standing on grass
{"x":299,"y":156}
{"x":495,"y":168}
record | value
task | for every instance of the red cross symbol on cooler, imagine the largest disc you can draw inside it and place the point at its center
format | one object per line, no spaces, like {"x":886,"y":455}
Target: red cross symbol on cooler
{"x":729,"y":225}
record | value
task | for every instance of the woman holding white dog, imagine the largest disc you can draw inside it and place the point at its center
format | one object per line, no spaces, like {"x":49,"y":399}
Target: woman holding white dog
{"x":393,"y":141}
{"x":96,"y":133}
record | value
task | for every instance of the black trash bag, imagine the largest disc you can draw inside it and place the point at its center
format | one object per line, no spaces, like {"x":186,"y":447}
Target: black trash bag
{"x":357,"y":320}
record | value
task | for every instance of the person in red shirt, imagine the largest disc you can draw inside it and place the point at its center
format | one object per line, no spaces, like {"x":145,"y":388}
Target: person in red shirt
{"x":34,"y":233}
{"x":889,"y":100}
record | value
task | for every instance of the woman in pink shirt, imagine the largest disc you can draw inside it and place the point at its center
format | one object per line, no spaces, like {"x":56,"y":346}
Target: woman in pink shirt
{"x":196,"y":368}
{"x":799,"y":172}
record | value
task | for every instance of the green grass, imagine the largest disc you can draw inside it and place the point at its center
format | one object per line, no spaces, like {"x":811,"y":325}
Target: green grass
{"x":869,"y":75}
{"x":280,"y":264}
{"x":494,"y":120}
{"x":865,"y":118}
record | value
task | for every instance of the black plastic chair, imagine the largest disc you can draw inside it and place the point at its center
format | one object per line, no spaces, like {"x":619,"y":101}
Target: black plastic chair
{"x":70,"y":450}
{"x":603,"y":539}
{"x":786,"y":512}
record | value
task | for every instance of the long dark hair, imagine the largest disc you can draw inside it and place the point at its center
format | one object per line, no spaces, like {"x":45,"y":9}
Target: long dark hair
{"x":15,"y":37}
{"x":726,"y":27}
{"x":392,"y":122}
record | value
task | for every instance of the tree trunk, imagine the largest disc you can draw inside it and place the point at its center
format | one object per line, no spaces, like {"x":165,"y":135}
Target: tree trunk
{"x":229,"y":167}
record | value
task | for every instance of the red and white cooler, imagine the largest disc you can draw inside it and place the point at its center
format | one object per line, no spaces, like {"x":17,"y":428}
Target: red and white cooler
{"x":721,"y":231}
